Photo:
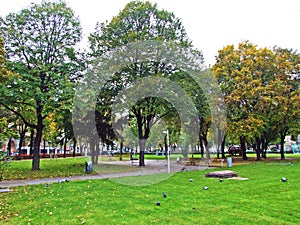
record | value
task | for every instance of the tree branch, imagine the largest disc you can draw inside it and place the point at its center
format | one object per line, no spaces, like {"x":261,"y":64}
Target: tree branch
{"x":19,"y":115}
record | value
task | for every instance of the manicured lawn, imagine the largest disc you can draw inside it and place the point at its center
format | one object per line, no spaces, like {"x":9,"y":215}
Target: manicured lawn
{"x":61,"y":167}
{"x":49,"y":168}
{"x":263,"y":199}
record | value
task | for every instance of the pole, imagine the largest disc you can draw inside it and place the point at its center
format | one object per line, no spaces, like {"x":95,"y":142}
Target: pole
{"x":168,"y":151}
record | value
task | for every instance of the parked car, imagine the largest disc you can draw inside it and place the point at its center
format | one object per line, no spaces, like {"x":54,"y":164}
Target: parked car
{"x":296,"y":149}
{"x":235,"y":150}
{"x":115,"y":152}
{"x":273,"y":149}
{"x":250,"y":150}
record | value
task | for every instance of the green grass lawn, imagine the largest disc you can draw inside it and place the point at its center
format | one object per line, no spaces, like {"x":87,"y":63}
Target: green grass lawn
{"x":62,"y":167}
{"x":49,"y":168}
{"x":263,"y":199}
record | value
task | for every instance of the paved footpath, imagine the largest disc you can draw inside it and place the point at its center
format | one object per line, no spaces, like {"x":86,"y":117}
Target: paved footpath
{"x":16,"y":183}
{"x":152,"y":167}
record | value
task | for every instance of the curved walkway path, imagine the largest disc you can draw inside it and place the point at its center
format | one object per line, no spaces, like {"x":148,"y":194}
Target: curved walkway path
{"x":152,"y":167}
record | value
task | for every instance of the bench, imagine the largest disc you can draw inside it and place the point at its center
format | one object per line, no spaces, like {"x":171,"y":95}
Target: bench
{"x":190,"y":161}
{"x":133,"y":160}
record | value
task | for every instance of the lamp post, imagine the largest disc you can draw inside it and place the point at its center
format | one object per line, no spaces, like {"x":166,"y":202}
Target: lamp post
{"x":168,"y":151}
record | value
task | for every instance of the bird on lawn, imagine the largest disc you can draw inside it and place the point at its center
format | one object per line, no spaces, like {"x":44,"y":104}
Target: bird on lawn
{"x":283,"y":179}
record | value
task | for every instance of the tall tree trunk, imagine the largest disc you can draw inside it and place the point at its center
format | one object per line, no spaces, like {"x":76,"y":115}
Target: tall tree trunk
{"x":65,"y":147}
{"x":166,"y":146}
{"x":44,"y":144}
{"x":205,"y":143}
{"x":264,"y":144}
{"x":96,"y":153}
{"x":121,"y":150}
{"x":92,"y":150}
{"x":219,"y":143}
{"x":142,"y":144}
{"x":9,"y":146}
{"x":207,"y":153}
{"x":282,"y":137}
{"x":243,"y":146}
{"x":143,"y":133}
{"x":223,"y":147}
{"x":37,"y":140}
{"x":22,"y":134}
{"x":201,"y":147}
{"x":31,"y":141}
{"x":258,"y":149}
{"x":74,"y":146}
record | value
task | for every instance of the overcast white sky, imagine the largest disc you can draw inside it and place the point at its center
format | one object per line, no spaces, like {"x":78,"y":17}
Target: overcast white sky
{"x":210,"y":24}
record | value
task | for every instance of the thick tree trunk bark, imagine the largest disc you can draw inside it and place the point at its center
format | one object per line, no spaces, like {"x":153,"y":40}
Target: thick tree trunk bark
{"x":92,"y":150}
{"x":31,"y":141}
{"x":65,"y":147}
{"x":258,"y":149}
{"x":22,"y":140}
{"x":201,"y":147}
{"x":37,"y":141}
{"x":243,"y":146}
{"x":97,"y":152}
{"x":74,"y":146}
{"x":207,"y":153}
{"x":142,"y":144}
{"x":9,"y":146}
{"x":121,"y":150}
{"x":264,"y":144}
{"x":282,"y":156}
{"x":219,"y":144}
{"x":223,"y":147}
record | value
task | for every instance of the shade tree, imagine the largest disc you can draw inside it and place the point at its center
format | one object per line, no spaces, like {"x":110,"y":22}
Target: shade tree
{"x":40,"y":45}
{"x":137,"y":39}
{"x":253,"y":80}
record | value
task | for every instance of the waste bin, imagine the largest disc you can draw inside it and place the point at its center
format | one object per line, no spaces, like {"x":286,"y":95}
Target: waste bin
{"x":88,"y":167}
{"x":229,"y":162}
